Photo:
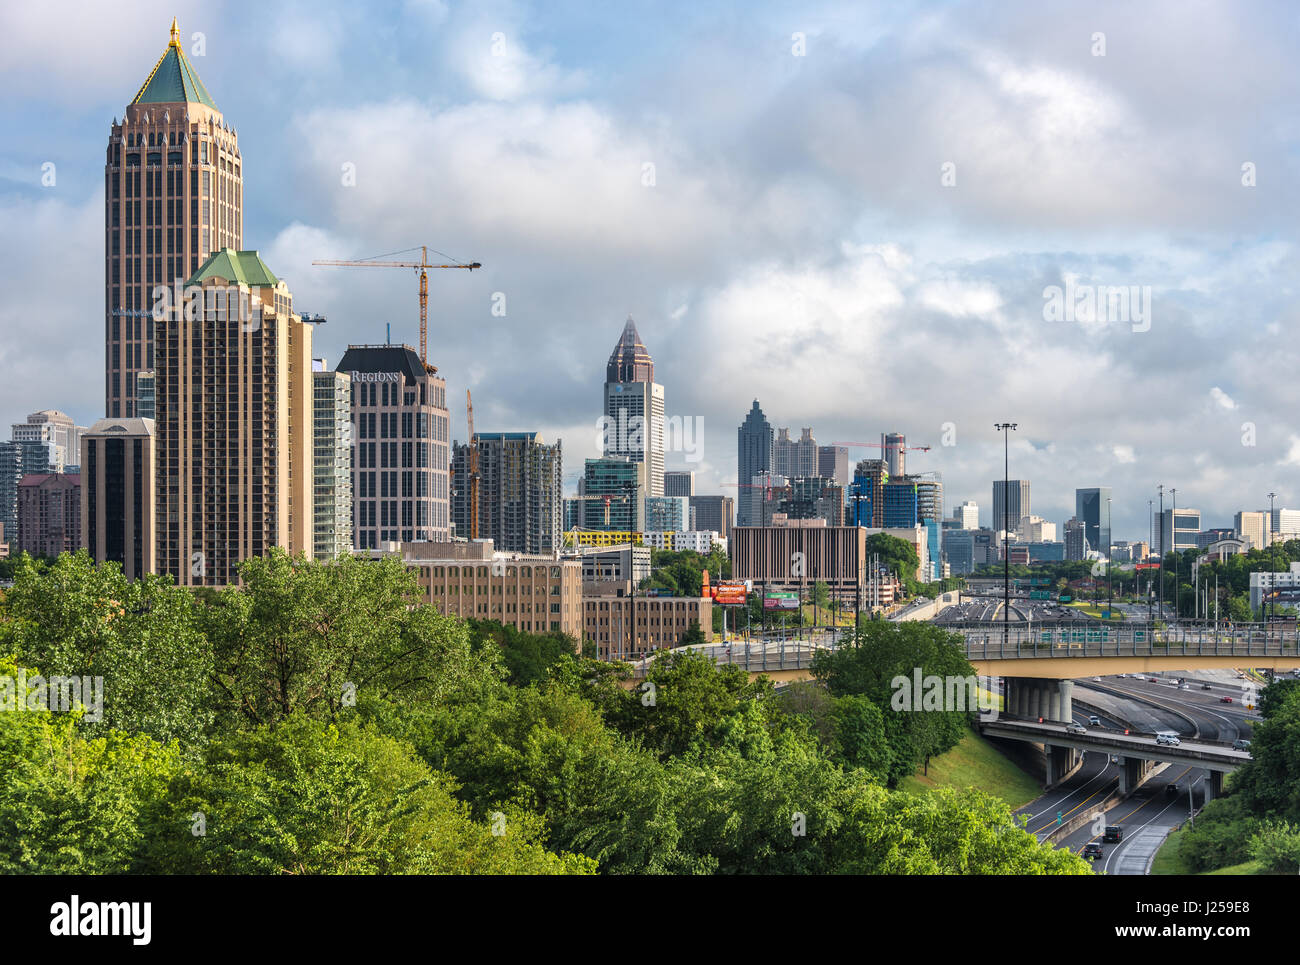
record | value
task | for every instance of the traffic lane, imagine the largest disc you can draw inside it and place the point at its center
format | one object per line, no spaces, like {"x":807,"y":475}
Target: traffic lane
{"x":1152,"y":808}
{"x":1094,"y":781}
{"x":1210,"y":718}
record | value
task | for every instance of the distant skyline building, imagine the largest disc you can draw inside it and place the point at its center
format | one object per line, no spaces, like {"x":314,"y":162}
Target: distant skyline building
{"x":1179,"y":532}
{"x":967,"y":514}
{"x":833,"y":464}
{"x":49,"y":514}
{"x":866,"y":502}
{"x":1286,"y":523}
{"x":56,"y":429}
{"x":667,"y":514}
{"x":520,"y":492}
{"x":18,"y":459}
{"x":893,"y":446}
{"x":1093,"y":507}
{"x":174,"y":193}
{"x":634,"y":408}
{"x":794,"y":458}
{"x":714,"y":513}
{"x":623,"y":481}
{"x":679,"y":482}
{"x":753,"y":456}
{"x":1076,"y":539}
{"x":401,"y":447}
{"x":331,"y":462}
{"x":118,"y":502}
{"x":1253,"y":527}
{"x":1017,"y":505}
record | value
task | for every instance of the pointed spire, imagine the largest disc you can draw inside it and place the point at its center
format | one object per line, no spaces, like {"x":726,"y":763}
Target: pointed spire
{"x":176,"y":35}
{"x":630,"y":361}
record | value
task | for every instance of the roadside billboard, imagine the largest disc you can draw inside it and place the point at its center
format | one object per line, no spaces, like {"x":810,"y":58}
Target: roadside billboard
{"x":730,"y":593}
{"x":780,"y":600}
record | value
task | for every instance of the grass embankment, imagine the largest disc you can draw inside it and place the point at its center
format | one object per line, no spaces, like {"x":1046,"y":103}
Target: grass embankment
{"x":977,"y":763}
{"x":1169,"y":861}
{"x":1094,"y":610}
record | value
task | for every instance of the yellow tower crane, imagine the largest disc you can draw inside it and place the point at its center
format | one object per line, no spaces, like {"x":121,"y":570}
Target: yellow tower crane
{"x":423,"y":266}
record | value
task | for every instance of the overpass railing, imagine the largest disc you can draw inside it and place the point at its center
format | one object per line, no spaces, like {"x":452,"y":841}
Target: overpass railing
{"x":1127,"y":640}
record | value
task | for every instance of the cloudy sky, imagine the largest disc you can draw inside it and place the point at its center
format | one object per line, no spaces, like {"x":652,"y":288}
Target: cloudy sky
{"x":849,"y":211}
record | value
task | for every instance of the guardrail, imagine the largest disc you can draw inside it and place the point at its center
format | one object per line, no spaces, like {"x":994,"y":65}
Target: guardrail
{"x":1142,"y":640}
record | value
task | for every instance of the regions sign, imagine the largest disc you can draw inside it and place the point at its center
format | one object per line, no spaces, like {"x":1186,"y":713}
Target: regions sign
{"x":777,"y":600}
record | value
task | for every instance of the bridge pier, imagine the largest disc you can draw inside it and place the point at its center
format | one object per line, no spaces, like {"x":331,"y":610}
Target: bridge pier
{"x":1030,"y":698}
{"x":1213,"y":786}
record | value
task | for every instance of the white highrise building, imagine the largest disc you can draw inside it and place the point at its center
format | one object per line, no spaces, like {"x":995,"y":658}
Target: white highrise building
{"x":967,"y":514}
{"x":634,"y":408}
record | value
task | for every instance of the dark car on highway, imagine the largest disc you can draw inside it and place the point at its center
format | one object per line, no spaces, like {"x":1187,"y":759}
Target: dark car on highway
{"x":1092,"y":851}
{"x":1114,"y":834}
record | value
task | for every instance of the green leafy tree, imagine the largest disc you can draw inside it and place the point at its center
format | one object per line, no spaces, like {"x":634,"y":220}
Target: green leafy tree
{"x":303,"y":635}
{"x":311,"y":797}
{"x":72,"y":617}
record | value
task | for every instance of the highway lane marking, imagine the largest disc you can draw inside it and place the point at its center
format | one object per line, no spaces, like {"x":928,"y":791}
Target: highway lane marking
{"x":1106,"y":867}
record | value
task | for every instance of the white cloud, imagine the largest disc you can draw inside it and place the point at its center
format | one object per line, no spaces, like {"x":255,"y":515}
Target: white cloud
{"x":1221,"y":398}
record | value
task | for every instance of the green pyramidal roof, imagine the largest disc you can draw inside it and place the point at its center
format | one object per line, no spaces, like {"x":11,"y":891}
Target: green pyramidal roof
{"x":242,"y":267}
{"x":173,"y":80}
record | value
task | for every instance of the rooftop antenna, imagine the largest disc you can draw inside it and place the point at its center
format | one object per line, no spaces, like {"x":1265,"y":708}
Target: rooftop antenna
{"x":388,"y":339}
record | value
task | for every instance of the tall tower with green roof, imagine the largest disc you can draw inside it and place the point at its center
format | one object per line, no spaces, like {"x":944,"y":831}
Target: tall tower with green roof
{"x":173,"y":194}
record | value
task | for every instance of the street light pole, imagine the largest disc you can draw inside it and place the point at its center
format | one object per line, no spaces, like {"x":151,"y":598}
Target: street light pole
{"x":1272,"y":562}
{"x":1006,"y":428}
{"x":1173,"y":538}
{"x":1160,"y":571}
{"x":1110,"y":579}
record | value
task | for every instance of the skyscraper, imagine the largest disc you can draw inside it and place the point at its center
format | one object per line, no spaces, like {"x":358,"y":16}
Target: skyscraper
{"x":713,"y":513}
{"x":968,"y":513}
{"x":794,"y":459}
{"x":520,"y":491}
{"x":331,"y":462}
{"x":833,"y":464}
{"x":1017,"y":505}
{"x":622,"y":480}
{"x":118,"y":503}
{"x":866,"y":494}
{"x":174,"y":192}
{"x":679,"y":483}
{"x":753,"y":457}
{"x":634,"y":408}
{"x":401,"y":447}
{"x":1092,"y":506}
{"x":56,"y":428}
{"x":234,"y":425}
{"x":892,"y":450}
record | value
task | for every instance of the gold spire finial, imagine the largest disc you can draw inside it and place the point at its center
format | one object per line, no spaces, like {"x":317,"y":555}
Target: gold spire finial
{"x":176,"y":34}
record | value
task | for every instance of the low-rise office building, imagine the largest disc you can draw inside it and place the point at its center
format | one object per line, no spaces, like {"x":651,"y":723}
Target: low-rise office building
{"x":660,"y":621}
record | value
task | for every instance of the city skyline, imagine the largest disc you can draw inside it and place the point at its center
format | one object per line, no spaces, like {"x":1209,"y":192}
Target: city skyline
{"x":795,"y":291}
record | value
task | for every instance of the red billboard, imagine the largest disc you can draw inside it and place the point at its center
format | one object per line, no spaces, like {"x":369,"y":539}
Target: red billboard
{"x":730,"y":593}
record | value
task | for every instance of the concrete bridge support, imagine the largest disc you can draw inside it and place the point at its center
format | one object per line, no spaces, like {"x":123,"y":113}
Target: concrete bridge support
{"x":1060,"y":762}
{"x":1030,"y":698}
{"x":1213,"y":786}
{"x":1133,"y":771}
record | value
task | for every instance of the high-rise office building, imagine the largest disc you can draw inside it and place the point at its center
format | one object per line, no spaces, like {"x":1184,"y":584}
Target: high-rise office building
{"x":49,"y":514}
{"x":866,"y":502}
{"x":1253,"y":528}
{"x":1076,"y":539}
{"x":893,"y":449}
{"x":794,"y":459}
{"x":713,"y":513}
{"x":18,"y":459}
{"x":1286,"y":524}
{"x":55,"y":428}
{"x":401,"y":448}
{"x":634,"y":408}
{"x":753,"y":456}
{"x":118,"y":479}
{"x":1093,"y":507}
{"x":679,"y":483}
{"x":900,"y":510}
{"x":614,"y":491}
{"x":331,"y":462}
{"x":520,"y":491}
{"x":1179,"y":532}
{"x":174,"y":192}
{"x":144,"y":395}
{"x":833,"y":464}
{"x":808,"y":497}
{"x":1017,"y":505}
{"x":968,"y":515}
{"x":234,"y":426}
{"x":667,"y":514}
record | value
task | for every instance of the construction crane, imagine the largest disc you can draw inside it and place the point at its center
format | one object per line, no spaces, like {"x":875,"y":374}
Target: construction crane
{"x":881,"y":445}
{"x":473,"y":469}
{"x":423,"y":266}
